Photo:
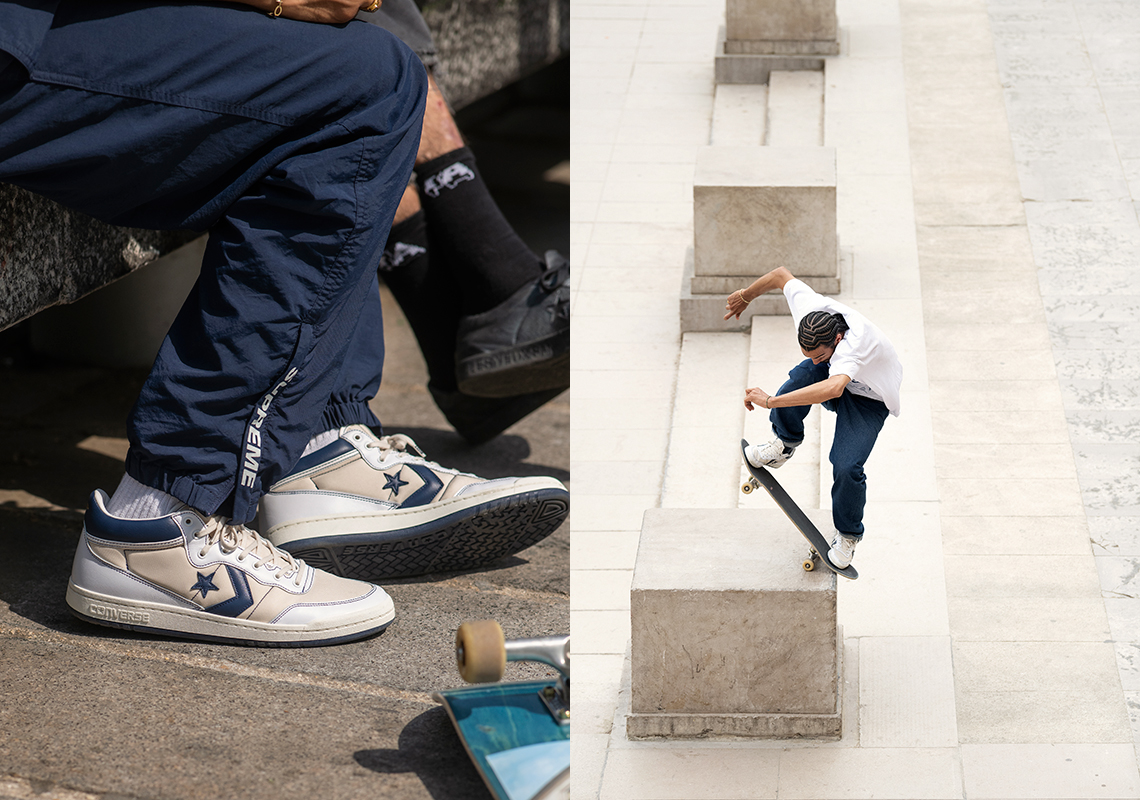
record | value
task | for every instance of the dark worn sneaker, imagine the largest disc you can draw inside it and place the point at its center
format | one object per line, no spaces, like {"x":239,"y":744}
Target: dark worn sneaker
{"x":480,"y":419}
{"x":522,"y":345}
{"x":373,"y":508}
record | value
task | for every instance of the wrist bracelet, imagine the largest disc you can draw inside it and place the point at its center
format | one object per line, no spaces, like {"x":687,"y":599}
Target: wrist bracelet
{"x":276,"y":12}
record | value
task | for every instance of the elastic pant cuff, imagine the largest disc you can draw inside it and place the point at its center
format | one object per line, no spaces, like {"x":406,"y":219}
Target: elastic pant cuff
{"x":341,"y":414}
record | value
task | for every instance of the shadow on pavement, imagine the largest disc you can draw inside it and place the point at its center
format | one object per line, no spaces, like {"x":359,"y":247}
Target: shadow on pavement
{"x":429,"y":748}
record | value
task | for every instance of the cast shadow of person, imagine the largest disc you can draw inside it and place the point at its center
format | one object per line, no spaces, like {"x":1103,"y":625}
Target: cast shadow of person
{"x":429,"y":749}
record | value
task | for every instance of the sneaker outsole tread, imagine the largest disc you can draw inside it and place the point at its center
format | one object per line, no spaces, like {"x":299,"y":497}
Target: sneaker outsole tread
{"x":501,"y":529}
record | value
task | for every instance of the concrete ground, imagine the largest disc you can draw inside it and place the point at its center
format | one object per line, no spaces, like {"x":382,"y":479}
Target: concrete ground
{"x":988,"y":179}
{"x":91,"y":712}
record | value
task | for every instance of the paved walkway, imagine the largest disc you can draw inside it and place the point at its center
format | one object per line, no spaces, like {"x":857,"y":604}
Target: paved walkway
{"x":988,"y":172}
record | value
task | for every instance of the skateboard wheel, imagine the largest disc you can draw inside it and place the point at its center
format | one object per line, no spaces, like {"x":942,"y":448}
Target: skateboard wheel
{"x":480,"y":651}
{"x":746,"y":488}
{"x":809,"y":564}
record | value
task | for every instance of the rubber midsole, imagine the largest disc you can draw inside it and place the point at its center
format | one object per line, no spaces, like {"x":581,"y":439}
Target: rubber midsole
{"x":117,"y":612}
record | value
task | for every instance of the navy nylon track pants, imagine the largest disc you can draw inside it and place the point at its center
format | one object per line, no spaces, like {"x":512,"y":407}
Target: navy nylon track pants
{"x":291,"y":143}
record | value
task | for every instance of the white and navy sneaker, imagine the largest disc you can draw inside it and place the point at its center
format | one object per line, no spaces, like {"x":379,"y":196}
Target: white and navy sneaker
{"x":365,"y":507}
{"x":842,"y":550}
{"x":771,"y":455}
{"x":201,"y":578}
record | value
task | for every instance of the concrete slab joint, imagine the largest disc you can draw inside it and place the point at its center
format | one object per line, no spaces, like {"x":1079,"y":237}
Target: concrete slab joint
{"x":730,"y":637}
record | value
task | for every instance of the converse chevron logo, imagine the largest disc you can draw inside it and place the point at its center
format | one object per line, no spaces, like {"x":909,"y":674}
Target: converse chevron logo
{"x":448,"y":178}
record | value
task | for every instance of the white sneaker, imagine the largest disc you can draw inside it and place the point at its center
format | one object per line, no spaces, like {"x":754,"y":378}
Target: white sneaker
{"x":771,"y":455}
{"x":842,"y":550}
{"x":366,"y":507}
{"x":201,"y":578}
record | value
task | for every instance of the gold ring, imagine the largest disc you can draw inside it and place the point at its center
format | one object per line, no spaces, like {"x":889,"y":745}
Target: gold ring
{"x":375,"y":4}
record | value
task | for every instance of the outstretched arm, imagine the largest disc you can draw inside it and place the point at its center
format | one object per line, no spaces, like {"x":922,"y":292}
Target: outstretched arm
{"x":809,"y":395}
{"x":739,"y":300}
{"x":328,"y":11}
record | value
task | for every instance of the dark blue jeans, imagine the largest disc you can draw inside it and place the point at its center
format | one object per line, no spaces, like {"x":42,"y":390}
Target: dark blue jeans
{"x":858,"y":421}
{"x":291,"y":143}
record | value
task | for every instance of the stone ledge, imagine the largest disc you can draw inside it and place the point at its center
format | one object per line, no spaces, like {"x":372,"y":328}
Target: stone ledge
{"x":752,"y":67}
{"x":729,"y":635}
{"x":734,"y":726}
{"x":51,"y":255}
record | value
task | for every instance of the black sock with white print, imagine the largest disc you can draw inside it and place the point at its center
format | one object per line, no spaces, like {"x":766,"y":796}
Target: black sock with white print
{"x":469,"y":232}
{"x":426,"y":295}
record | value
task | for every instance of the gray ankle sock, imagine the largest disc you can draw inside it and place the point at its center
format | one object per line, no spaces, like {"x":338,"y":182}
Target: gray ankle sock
{"x":134,"y":500}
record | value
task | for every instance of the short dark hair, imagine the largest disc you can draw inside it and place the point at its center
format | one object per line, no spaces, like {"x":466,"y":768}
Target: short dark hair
{"x":818,"y":329}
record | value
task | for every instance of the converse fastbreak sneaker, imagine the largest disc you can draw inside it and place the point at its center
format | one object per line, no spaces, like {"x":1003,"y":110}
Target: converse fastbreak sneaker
{"x":771,"y":455}
{"x":842,"y":550}
{"x":201,"y":578}
{"x":376,"y":508}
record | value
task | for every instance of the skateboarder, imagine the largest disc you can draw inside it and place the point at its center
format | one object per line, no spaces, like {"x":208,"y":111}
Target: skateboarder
{"x":850,"y":368}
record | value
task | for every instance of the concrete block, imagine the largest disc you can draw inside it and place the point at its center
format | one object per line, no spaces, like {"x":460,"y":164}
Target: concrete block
{"x":792,"y":25}
{"x":771,"y":203}
{"x":729,"y":635}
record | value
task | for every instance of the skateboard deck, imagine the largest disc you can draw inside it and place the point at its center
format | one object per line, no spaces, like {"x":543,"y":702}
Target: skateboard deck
{"x":819,"y":545}
{"x":517,"y":734}
{"x":508,"y":732}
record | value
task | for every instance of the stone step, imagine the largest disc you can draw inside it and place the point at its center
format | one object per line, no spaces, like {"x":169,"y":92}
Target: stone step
{"x":795,"y":109}
{"x":703,"y":460}
{"x":739,"y":114}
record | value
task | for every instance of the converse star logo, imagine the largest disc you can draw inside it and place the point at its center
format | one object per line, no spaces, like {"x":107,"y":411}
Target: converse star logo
{"x":205,"y":584}
{"x":394,"y":483}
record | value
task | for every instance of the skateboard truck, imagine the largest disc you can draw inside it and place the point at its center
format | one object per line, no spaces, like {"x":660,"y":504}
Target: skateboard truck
{"x":482,"y":653}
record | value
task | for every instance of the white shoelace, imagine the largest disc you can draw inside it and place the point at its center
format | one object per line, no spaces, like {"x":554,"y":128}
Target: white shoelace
{"x":399,"y":443}
{"x":232,"y":538}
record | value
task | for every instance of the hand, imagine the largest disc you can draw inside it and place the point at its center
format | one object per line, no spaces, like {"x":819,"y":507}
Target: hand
{"x":333,"y":12}
{"x":755,"y":396}
{"x":735,"y":304}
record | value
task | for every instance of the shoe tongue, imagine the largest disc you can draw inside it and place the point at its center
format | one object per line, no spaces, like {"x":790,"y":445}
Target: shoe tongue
{"x":359,"y":428}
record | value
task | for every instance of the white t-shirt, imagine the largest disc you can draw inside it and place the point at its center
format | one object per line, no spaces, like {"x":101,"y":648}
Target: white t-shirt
{"x":864,"y":354}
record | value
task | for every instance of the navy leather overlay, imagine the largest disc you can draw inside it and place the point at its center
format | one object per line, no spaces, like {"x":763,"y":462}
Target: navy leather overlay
{"x":426,"y":493}
{"x":318,"y":457}
{"x":103,"y":526}
{"x":241,"y":600}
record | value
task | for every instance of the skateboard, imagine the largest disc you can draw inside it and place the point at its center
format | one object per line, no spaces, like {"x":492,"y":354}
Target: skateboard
{"x":819,"y":545}
{"x":517,"y":734}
